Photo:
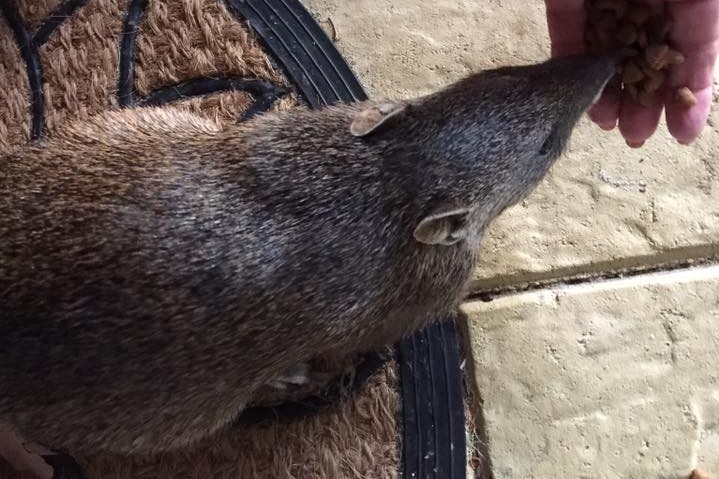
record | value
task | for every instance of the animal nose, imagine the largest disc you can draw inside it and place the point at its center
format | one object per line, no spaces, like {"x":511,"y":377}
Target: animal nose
{"x":599,"y":69}
{"x":588,"y":74}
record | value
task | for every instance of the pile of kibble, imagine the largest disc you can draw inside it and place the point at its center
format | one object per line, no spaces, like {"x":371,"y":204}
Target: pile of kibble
{"x":639,"y":33}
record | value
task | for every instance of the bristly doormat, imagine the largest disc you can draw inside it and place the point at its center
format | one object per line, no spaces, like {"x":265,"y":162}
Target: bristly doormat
{"x":389,"y":414}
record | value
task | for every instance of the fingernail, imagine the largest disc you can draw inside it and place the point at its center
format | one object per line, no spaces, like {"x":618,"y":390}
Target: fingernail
{"x":604,"y":125}
{"x":634,"y":143}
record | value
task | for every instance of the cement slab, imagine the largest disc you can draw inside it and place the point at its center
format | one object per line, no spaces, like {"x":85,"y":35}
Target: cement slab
{"x":612,"y":380}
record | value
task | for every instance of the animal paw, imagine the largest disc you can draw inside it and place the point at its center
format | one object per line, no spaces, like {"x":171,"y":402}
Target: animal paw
{"x":298,"y":375}
{"x":63,"y":465}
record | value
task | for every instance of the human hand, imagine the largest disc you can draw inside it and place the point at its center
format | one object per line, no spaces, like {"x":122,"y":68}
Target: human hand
{"x":694,"y":32}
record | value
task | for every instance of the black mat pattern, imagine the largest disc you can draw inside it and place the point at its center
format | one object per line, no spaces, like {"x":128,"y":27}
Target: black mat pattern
{"x":434,"y":444}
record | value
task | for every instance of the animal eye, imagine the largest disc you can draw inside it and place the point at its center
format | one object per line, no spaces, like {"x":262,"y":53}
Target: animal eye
{"x":548,"y":144}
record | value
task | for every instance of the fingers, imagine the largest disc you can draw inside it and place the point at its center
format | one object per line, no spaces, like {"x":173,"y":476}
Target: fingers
{"x":685,"y":124}
{"x":696,"y":73}
{"x":565,"y":21}
{"x":605,"y":112}
{"x":696,"y":35}
{"x":636,"y":122}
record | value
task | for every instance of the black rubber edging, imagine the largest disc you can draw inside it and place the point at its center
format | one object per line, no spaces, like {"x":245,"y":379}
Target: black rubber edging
{"x":56,"y":18}
{"x":264,"y":93}
{"x":306,"y":54}
{"x":29,"y":45}
{"x":126,"y":75}
{"x":29,"y":52}
{"x":433,"y":399}
{"x":434,"y":441}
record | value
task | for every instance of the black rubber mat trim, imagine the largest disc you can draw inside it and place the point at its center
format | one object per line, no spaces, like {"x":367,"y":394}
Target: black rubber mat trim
{"x":433,"y":399}
{"x":262,"y":103}
{"x":264,"y":93}
{"x":304,"y":50}
{"x":55,"y":19}
{"x":31,"y":57}
{"x":29,"y":45}
{"x":126,"y":77}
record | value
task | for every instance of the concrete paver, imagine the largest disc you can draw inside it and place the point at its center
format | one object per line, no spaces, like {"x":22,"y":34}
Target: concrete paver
{"x":618,"y":380}
{"x":606,"y":207}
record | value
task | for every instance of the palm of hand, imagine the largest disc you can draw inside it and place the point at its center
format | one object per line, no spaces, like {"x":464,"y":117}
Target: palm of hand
{"x":695,"y":33}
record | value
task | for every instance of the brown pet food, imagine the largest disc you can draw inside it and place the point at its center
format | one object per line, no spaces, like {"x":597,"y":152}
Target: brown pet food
{"x":684,"y":97}
{"x":653,"y":80}
{"x":631,"y":73}
{"x":639,"y":35}
{"x":657,"y":56}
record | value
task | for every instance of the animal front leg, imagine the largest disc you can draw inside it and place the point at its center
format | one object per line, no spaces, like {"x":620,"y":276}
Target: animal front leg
{"x":41,"y":462}
{"x":303,"y":374}
{"x":298,"y":375}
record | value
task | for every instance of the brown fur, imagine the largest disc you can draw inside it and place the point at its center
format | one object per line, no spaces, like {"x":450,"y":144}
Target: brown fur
{"x":156,"y":269}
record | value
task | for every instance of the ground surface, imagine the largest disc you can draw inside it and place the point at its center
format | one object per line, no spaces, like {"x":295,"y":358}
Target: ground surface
{"x":609,"y":378}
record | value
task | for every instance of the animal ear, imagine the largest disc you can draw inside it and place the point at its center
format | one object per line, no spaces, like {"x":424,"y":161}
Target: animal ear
{"x":369,"y":119}
{"x":443,"y":228}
